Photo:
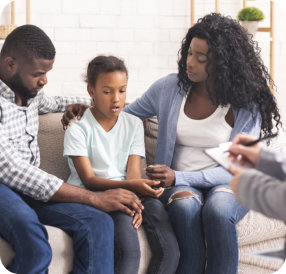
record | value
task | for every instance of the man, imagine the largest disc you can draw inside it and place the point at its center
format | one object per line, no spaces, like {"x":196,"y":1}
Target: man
{"x":30,"y":197}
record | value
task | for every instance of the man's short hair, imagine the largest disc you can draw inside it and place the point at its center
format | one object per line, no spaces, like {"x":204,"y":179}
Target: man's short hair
{"x":30,"y":42}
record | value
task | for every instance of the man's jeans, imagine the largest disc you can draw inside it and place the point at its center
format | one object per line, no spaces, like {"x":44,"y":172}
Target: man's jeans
{"x":204,"y":223}
{"x":21,"y":224}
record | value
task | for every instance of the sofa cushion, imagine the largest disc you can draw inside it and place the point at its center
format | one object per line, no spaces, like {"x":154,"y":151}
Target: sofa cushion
{"x":62,"y":250}
{"x":51,"y":140}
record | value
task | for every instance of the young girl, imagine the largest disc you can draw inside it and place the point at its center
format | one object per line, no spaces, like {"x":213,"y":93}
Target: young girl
{"x":104,"y":151}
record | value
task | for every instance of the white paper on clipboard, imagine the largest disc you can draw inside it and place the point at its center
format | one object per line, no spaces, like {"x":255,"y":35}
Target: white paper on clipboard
{"x":220,"y":155}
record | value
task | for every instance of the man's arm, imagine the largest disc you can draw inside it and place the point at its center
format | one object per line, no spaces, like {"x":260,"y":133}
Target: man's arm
{"x":109,"y":200}
{"x":59,"y":103}
{"x":21,"y":176}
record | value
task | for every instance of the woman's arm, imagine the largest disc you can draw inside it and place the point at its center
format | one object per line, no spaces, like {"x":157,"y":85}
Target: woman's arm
{"x":148,"y":104}
{"x":245,"y":122}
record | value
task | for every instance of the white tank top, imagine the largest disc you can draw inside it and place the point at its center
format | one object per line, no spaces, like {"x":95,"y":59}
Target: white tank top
{"x":193,"y":136}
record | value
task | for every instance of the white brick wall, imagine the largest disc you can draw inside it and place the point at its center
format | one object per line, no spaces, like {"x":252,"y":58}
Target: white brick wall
{"x":146,"y":34}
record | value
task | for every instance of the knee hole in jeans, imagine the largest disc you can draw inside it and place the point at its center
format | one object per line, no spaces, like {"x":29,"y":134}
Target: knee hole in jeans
{"x":184,"y":194}
{"x":224,"y":189}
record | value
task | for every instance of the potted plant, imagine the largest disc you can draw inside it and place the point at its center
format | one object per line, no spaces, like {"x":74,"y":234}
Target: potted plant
{"x":249,"y":18}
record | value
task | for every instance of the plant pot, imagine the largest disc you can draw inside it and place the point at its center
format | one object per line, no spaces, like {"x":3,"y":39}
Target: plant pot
{"x":250,"y":26}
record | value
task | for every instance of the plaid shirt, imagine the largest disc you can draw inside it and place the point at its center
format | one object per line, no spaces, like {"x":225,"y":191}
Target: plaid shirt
{"x":19,"y":151}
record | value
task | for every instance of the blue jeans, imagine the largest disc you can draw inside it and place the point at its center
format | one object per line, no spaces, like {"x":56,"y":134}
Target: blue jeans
{"x":21,"y":224}
{"x":160,"y":235}
{"x":205,"y":218}
{"x":126,"y":244}
{"x":161,"y":238}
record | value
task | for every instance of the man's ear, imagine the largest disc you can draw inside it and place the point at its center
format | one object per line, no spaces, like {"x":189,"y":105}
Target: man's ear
{"x":10,"y":64}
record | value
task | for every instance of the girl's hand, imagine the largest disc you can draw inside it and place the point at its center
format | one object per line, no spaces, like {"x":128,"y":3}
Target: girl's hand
{"x":162,"y":173}
{"x":145,"y":187}
{"x":137,"y":220}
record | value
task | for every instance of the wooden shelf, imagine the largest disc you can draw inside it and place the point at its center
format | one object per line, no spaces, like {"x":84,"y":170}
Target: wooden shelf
{"x":28,"y":12}
{"x":6,"y":29}
{"x":270,"y":30}
{"x":193,"y":10}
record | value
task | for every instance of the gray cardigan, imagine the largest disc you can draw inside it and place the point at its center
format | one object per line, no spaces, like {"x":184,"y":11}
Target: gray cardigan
{"x":264,"y":189}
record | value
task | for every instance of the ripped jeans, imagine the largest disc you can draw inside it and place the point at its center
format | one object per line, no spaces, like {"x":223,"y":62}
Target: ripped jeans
{"x":204,"y":223}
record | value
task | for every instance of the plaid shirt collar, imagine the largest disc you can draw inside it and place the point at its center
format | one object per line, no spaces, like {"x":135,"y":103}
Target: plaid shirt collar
{"x":9,"y":94}
{"x":6,"y":92}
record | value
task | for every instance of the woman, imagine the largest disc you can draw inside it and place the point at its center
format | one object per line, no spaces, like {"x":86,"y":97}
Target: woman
{"x":221,"y":89}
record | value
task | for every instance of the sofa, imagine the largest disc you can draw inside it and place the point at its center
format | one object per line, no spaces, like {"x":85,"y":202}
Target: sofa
{"x":255,"y":231}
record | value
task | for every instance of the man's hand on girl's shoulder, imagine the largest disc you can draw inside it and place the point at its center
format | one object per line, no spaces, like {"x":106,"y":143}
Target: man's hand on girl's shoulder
{"x":73,"y":112}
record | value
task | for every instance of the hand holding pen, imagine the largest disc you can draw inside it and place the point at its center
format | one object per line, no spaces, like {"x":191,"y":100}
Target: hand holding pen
{"x":247,"y":148}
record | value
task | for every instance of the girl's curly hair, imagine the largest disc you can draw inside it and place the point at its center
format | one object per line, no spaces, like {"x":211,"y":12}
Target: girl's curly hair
{"x":240,"y":77}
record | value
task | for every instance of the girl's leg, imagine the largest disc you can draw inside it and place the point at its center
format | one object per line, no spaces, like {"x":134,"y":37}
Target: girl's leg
{"x":161,"y":238}
{"x":126,"y":244}
{"x":184,"y":207}
{"x":220,"y":215}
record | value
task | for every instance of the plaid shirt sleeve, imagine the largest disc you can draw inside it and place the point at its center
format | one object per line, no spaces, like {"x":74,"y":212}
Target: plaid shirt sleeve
{"x":22,"y":176}
{"x":58,"y":103}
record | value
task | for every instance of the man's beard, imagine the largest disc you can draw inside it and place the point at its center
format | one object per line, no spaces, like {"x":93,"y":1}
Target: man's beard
{"x":16,"y":84}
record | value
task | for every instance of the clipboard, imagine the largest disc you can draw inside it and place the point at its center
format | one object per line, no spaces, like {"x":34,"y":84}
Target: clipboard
{"x":220,"y":155}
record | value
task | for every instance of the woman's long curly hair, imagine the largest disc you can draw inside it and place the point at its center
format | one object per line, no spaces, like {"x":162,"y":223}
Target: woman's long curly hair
{"x":240,"y":77}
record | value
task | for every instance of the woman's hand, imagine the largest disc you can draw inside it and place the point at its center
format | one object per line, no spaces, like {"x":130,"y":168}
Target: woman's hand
{"x":137,"y":220}
{"x":162,"y":173}
{"x":73,"y":112}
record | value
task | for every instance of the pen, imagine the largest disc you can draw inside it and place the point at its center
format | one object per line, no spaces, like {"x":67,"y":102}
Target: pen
{"x":251,"y":143}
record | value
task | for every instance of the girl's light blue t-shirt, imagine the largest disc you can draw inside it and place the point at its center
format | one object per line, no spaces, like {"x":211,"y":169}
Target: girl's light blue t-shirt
{"x":108,"y":152}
